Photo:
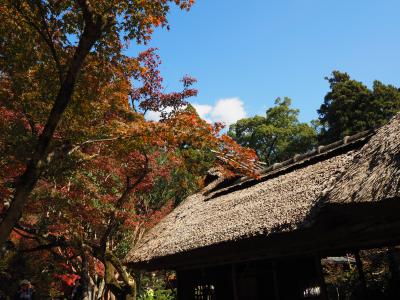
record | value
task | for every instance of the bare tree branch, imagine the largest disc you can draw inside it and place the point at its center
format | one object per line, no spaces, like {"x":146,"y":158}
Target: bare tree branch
{"x":77,"y":147}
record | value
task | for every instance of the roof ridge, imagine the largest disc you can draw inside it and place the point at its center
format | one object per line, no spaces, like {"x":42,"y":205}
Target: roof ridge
{"x":297,"y":160}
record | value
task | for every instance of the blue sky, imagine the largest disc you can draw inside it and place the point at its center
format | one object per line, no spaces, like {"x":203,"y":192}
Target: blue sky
{"x":251,"y":52}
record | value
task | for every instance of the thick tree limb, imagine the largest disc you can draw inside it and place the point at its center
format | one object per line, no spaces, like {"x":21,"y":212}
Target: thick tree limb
{"x":128,"y":289}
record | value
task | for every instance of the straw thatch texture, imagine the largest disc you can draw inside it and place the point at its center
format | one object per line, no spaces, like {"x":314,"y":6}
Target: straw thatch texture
{"x":279,"y":204}
{"x":374,"y":174}
{"x":287,"y":198}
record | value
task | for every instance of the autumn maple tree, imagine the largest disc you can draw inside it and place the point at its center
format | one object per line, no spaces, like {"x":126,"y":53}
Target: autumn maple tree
{"x":46,"y":45}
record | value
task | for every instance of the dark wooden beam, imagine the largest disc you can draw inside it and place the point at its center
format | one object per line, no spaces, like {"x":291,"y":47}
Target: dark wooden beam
{"x":275,"y":277}
{"x":360,"y":271}
{"x":321,"y":278}
{"x":234,"y":282}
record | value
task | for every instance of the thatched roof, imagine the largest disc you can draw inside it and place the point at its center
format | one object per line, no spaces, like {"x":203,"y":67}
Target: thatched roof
{"x":284,"y":199}
{"x":374,"y":173}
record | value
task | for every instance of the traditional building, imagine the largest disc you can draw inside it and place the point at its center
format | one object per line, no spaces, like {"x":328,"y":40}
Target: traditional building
{"x":263,"y":238}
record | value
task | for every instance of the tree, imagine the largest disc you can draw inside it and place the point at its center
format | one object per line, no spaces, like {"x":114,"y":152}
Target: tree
{"x":350,"y":107}
{"x":277,"y":136}
{"x":63,"y":34}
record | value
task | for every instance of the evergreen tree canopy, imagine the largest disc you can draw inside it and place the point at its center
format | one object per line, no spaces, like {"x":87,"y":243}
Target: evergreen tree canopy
{"x":277,"y":136}
{"x":350,"y":106}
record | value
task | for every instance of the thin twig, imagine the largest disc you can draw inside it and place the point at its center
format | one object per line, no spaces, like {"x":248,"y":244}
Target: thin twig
{"x":91,"y":142}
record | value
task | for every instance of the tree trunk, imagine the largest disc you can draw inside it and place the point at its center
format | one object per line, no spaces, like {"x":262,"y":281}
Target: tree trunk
{"x":85,"y":280}
{"x":394,"y":272}
{"x":100,"y":292}
{"x":124,"y":291}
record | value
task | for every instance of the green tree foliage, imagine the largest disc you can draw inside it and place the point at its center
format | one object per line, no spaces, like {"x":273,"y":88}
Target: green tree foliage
{"x":350,"y":106}
{"x":276,"y":136}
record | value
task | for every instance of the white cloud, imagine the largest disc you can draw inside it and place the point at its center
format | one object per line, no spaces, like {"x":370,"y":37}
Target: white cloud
{"x":227,"y":111}
{"x":153,"y":115}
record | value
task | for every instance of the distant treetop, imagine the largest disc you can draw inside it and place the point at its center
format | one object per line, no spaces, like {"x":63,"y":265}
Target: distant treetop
{"x":350,"y":107}
{"x":276,"y":136}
